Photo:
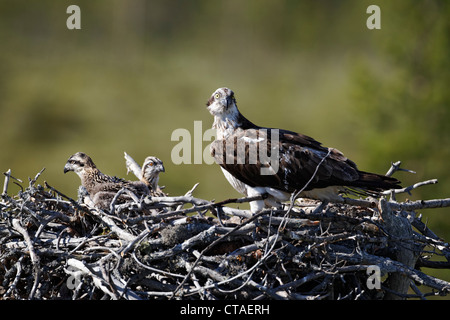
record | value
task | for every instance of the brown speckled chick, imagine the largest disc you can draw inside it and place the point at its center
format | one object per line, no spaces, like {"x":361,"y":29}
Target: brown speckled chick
{"x":101,"y":187}
{"x":149,"y":173}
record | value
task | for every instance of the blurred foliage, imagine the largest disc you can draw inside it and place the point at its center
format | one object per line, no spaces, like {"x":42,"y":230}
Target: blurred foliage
{"x":403,"y":92}
{"x":137,"y":70}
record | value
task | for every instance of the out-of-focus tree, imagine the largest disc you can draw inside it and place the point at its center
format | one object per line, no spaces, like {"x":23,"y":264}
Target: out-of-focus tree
{"x":405,"y":93}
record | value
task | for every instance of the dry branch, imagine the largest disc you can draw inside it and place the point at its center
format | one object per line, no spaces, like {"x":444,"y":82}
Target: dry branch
{"x":183,"y":247}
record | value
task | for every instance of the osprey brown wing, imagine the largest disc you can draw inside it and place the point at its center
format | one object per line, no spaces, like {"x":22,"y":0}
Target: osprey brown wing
{"x":300,"y":161}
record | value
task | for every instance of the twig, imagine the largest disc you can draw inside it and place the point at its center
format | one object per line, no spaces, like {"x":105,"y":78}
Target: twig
{"x":170,"y":274}
{"x":199,"y":205}
{"x":99,"y":282}
{"x":118,"y":195}
{"x":408,"y":189}
{"x":112,"y":225}
{"x":420,"y":204}
{"x":8,"y":176}
{"x":72,"y":201}
{"x":34,"y":257}
{"x":5,"y":184}
{"x":17,"y":278}
{"x":297,"y":193}
{"x":188,"y":194}
{"x":395,"y":166}
{"x":33,"y":181}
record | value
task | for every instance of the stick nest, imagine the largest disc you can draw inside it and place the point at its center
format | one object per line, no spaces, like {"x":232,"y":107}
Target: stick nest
{"x":53,"y":247}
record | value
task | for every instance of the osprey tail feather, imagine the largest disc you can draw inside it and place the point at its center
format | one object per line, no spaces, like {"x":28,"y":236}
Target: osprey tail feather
{"x":376,"y":182}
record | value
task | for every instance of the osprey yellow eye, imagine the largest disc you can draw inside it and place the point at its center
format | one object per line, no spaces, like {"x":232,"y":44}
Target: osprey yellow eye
{"x":217,"y":95}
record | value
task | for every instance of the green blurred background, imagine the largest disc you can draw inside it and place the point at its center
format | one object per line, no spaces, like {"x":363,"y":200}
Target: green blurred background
{"x":138,"y":70}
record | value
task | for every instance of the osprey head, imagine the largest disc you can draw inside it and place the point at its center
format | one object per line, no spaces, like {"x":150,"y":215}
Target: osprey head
{"x":150,"y":171}
{"x":78,"y":162}
{"x":152,"y":166}
{"x":222,"y":103}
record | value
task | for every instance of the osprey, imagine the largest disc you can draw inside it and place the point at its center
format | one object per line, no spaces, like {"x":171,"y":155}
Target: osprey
{"x":149,"y":173}
{"x":276,"y":163}
{"x":101,"y":187}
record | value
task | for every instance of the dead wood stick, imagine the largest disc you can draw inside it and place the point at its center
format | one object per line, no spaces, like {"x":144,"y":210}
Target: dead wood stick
{"x":391,"y":266}
{"x":291,"y":222}
{"x":83,"y":241}
{"x":63,"y":243}
{"x":33,"y":181}
{"x":137,"y":239}
{"x":112,"y":225}
{"x":407,"y":206}
{"x":252,"y":247}
{"x":82,"y":269}
{"x":205,"y":236}
{"x":72,"y":201}
{"x":398,"y":227}
{"x":34,"y":257}
{"x":199,"y":205}
{"x":8,"y":177}
{"x":112,"y":206}
{"x":18,"y":227}
{"x":420,"y":204}
{"x":6,"y":183}
{"x":17,"y":278}
{"x":296,"y":193}
{"x":395,"y":166}
{"x":360,"y":202}
{"x":188,"y":194}
{"x":153,"y":269}
{"x":122,"y":288}
{"x":411,"y":187}
{"x":174,"y":200}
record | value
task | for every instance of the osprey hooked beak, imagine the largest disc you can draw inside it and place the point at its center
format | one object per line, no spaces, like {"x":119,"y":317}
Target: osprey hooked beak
{"x":226,"y":101}
{"x":77,"y":162}
{"x":67,"y":168}
{"x":70,"y":164}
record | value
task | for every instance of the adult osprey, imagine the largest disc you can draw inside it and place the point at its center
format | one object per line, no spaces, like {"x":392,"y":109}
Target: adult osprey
{"x":293,"y":162}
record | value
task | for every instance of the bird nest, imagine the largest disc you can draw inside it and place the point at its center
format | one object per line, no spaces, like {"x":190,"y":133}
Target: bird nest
{"x":183,"y":247}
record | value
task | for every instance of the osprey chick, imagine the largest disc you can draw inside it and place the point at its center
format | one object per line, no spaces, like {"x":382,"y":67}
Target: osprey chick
{"x":101,"y":187}
{"x":149,"y":173}
{"x":293,"y":162}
